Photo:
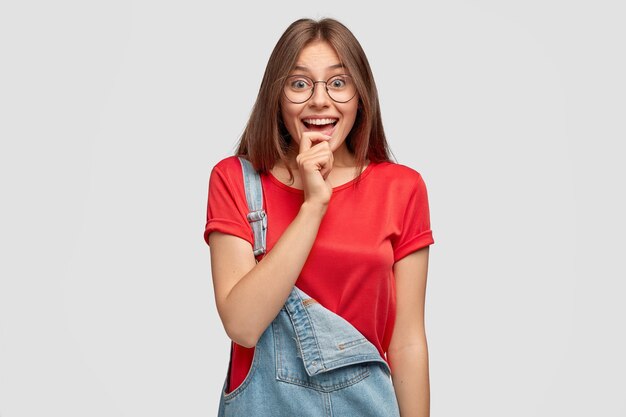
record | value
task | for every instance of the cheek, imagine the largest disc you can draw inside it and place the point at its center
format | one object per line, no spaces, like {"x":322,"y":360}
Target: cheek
{"x":350,"y":114}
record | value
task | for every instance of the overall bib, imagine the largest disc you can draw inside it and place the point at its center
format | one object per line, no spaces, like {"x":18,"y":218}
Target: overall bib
{"x":309,"y":361}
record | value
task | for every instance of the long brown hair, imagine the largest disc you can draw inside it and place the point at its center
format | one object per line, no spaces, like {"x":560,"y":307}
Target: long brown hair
{"x":265,"y":138}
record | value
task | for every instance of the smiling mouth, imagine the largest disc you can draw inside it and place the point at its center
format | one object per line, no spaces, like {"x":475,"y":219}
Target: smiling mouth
{"x":320,"y":125}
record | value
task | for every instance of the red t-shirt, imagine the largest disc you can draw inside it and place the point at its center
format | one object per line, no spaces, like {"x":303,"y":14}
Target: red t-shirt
{"x":350,"y":267}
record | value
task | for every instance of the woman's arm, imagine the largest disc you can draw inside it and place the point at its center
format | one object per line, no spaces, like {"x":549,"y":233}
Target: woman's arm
{"x":408,"y":349}
{"x":249,"y":295}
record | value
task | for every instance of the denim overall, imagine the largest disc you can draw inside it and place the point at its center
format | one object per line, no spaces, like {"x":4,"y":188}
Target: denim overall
{"x":309,"y":361}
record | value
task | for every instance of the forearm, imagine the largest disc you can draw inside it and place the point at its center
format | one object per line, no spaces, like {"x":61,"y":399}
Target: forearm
{"x":260,"y":294}
{"x":411,"y":379}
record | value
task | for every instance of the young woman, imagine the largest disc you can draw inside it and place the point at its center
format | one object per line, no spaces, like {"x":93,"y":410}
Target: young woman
{"x":346,"y":225}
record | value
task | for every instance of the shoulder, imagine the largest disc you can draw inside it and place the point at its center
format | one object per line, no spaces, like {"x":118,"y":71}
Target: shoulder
{"x":228,"y":164}
{"x":398,"y":170}
{"x":398,"y":176}
{"x":229,"y":167}
{"x":227,"y":173}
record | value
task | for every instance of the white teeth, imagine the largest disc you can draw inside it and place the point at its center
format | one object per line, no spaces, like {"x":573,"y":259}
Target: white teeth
{"x":319,"y":121}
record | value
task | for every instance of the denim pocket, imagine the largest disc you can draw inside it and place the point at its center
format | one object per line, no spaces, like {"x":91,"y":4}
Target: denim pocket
{"x":290,"y":363}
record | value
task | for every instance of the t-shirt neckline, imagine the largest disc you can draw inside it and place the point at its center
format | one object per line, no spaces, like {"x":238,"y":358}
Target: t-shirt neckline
{"x":343,"y":186}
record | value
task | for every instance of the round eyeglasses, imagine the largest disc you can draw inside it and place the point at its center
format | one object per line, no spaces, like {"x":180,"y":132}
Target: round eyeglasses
{"x":300,"y":88}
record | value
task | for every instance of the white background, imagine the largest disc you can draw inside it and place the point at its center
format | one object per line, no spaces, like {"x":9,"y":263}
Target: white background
{"x":112,"y":114}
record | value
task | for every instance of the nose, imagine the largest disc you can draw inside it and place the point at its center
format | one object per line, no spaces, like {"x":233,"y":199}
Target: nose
{"x":320,"y":96}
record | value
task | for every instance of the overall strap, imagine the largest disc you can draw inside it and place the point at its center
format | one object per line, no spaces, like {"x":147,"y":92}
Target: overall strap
{"x":254,"y":196}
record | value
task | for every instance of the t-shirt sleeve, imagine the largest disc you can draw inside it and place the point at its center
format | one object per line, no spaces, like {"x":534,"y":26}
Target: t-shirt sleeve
{"x":416,"y":233}
{"x":226,"y":206}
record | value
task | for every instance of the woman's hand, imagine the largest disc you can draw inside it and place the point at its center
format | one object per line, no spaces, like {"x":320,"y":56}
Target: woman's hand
{"x":315,"y":161}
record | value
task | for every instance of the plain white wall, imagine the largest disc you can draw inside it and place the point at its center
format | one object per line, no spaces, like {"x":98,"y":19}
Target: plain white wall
{"x":113,"y":113}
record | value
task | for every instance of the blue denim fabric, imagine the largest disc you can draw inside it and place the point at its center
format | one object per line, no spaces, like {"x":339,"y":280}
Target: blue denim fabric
{"x":309,"y":361}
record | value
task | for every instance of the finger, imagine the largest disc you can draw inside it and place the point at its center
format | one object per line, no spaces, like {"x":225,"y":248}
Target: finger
{"x":309,"y":138}
{"x":320,"y":159}
{"x":317,"y":151}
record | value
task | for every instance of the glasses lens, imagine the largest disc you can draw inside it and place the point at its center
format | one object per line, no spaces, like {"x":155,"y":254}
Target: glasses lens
{"x":298,"y":88}
{"x":341,"y":88}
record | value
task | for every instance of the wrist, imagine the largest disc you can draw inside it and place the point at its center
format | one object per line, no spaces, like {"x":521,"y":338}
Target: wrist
{"x":313,"y":209}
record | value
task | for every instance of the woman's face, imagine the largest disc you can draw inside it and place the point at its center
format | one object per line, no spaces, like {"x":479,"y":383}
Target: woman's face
{"x":320,"y":113}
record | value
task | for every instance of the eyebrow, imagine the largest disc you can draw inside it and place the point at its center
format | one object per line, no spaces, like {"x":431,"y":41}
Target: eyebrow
{"x":303,"y":68}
